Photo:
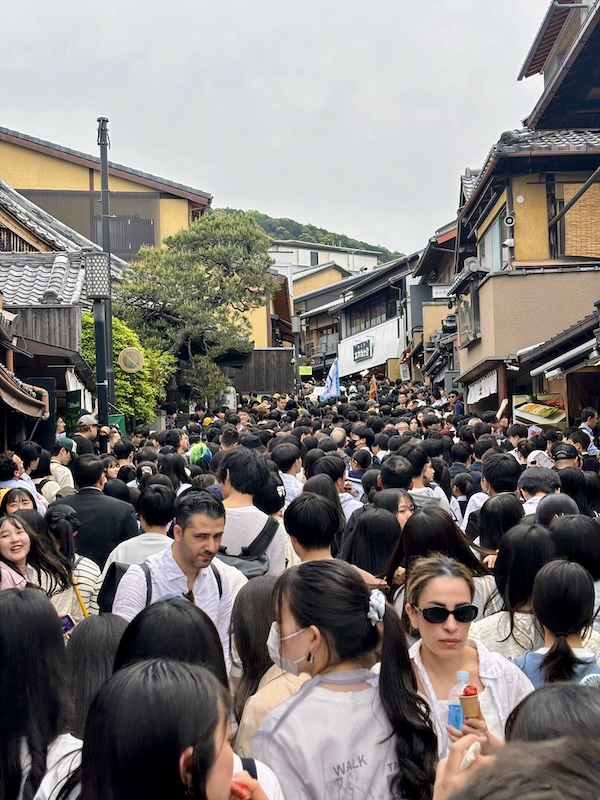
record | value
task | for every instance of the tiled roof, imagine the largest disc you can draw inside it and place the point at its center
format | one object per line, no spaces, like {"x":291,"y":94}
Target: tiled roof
{"x":469,"y":181}
{"x":67,"y":152}
{"x":545,"y":39}
{"x":33,"y":278}
{"x":320,"y":309}
{"x":49,"y":228}
{"x":527,"y":141}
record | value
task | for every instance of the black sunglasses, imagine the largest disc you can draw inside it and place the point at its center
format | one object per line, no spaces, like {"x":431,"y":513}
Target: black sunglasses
{"x":438,"y":615}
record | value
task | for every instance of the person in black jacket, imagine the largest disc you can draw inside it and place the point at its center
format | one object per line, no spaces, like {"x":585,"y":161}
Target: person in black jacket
{"x":105,"y":521}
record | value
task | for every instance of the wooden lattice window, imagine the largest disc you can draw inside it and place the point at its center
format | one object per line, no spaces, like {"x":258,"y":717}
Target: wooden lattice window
{"x":10,"y":242}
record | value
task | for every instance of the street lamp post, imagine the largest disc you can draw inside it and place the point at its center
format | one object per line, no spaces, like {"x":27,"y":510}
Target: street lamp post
{"x":104,"y":144}
{"x":296,"y":331}
{"x":97,"y":278}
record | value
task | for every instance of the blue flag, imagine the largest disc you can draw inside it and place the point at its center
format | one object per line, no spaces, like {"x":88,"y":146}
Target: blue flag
{"x":332,"y":384}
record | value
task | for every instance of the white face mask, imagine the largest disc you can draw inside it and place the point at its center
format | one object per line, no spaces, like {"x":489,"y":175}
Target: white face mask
{"x":274,"y":647}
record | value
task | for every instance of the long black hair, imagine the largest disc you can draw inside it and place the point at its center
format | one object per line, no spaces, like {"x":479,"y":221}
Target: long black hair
{"x":372,"y":541}
{"x":498,"y":515}
{"x":139,"y":724}
{"x":524,"y":550}
{"x":432,"y":530}
{"x":173,"y":628}
{"x":332,"y":596}
{"x":554,"y":711}
{"x":173,"y":466}
{"x":90,"y":656}
{"x":576,"y":537}
{"x":251,"y":620}
{"x":563,"y":602}
{"x":33,"y":704}
{"x":572,"y":483}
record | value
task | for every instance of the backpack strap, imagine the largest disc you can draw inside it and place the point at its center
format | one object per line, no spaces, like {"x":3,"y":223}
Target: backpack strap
{"x":249,"y":764}
{"x":217,"y":575}
{"x":146,"y":570}
{"x":259,"y":546}
{"x":77,"y":561}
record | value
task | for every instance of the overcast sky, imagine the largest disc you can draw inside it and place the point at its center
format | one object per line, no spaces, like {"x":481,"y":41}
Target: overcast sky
{"x":355,"y":116}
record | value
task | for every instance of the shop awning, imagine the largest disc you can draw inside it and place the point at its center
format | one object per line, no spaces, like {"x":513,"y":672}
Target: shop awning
{"x":580,"y":350}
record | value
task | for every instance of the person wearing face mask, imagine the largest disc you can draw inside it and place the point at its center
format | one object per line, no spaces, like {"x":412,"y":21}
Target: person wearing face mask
{"x":330,"y":626}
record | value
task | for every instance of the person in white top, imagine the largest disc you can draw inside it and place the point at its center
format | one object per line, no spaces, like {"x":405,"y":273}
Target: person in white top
{"x":159,"y":729}
{"x":333,"y":465}
{"x":288,"y":459}
{"x":63,"y":451}
{"x":242,"y":473}
{"x":439,"y":596}
{"x":499,"y":473}
{"x":155,"y":510}
{"x":186,"y":568}
{"x":345,"y":733}
{"x":536,"y":482}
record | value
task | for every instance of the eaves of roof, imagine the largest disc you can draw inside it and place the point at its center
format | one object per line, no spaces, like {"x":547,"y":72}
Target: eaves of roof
{"x":545,"y":39}
{"x":305,"y":273}
{"x":527,"y":143}
{"x":589,"y":26}
{"x":314,"y":312}
{"x":400,"y":265}
{"x":118,"y":170}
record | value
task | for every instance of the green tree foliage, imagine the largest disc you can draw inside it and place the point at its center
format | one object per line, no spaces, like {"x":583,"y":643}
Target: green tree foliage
{"x":284,"y":228}
{"x":191,"y":296}
{"x":137,"y":394}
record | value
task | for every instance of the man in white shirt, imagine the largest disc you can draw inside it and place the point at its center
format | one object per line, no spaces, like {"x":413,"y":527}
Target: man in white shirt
{"x":63,"y":452}
{"x":535,"y":483}
{"x":333,"y":466}
{"x":155,"y":509}
{"x":187,"y":568}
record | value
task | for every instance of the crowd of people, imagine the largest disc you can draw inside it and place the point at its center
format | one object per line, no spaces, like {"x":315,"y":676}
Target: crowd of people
{"x":374,"y":596}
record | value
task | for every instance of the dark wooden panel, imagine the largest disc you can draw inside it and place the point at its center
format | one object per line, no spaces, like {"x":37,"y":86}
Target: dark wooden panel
{"x":269,"y":370}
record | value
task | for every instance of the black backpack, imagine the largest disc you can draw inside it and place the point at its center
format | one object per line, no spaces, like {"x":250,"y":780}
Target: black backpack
{"x":253,"y":561}
{"x":106,"y":595}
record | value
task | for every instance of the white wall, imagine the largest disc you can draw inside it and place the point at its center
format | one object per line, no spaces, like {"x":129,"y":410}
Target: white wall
{"x":300,"y":257}
{"x":388,"y":340}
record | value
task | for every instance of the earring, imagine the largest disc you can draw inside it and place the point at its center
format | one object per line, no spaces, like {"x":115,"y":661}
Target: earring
{"x":310,"y":658}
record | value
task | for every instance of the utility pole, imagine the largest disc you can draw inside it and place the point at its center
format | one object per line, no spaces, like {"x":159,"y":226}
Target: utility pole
{"x":104,"y":144}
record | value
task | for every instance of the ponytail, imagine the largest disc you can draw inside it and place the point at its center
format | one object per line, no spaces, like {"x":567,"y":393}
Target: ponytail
{"x":559,"y":662}
{"x":408,"y":714}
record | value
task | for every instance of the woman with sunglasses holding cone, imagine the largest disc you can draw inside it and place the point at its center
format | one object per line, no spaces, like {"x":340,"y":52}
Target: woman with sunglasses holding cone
{"x":440,"y":608}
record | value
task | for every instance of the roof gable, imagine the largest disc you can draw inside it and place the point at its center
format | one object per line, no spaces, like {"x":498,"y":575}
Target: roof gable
{"x":119,"y":170}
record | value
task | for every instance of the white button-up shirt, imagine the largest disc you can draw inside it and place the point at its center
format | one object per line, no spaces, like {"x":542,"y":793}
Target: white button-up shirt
{"x":168,"y":579}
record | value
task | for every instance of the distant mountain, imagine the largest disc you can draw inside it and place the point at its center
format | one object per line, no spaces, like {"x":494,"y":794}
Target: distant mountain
{"x":284,"y":228}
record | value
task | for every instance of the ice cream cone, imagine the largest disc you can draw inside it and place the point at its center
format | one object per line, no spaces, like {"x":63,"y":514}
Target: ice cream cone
{"x":470,"y":705}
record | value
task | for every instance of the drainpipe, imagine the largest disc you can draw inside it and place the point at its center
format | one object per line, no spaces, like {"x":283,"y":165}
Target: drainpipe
{"x":44,"y":397}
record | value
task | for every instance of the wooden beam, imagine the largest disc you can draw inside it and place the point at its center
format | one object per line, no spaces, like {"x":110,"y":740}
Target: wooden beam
{"x":24,"y":233}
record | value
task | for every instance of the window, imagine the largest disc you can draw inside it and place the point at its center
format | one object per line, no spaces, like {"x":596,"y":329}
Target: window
{"x":327,"y":340}
{"x":314,"y":259}
{"x":491,"y":251}
{"x":374,"y":312}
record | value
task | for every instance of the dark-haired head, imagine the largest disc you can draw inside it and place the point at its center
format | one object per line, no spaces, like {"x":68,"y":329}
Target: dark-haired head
{"x":556,"y":710}
{"x":16,"y":499}
{"x":577,"y":538}
{"x":563,"y":603}
{"x":33,"y":702}
{"x":63,"y":525}
{"x":91,"y":651}
{"x":141,"y":724}
{"x":173,"y":466}
{"x":572,"y":482}
{"x":176,"y":629}
{"x":313,"y":521}
{"x":554,"y":505}
{"x":497,"y":515}
{"x":398,"y":501}
{"x":372,"y":540}
{"x":524,"y":550}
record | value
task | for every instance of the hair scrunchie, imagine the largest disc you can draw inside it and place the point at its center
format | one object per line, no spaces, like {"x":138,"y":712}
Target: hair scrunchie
{"x":376,"y":606}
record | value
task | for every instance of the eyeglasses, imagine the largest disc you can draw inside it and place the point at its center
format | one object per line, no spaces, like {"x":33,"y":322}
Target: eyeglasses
{"x":438,"y":615}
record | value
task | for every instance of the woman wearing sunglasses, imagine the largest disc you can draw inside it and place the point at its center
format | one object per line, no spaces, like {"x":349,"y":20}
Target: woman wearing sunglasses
{"x":440,"y":608}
